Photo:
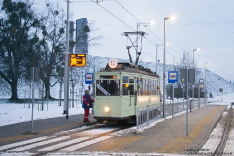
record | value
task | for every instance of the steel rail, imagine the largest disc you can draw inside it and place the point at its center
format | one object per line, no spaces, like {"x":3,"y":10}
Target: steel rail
{"x":219,"y":149}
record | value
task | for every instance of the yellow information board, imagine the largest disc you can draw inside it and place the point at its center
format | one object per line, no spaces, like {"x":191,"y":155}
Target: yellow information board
{"x":77,"y":60}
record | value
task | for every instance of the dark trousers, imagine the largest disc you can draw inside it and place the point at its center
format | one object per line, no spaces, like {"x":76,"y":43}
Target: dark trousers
{"x":86,"y":114}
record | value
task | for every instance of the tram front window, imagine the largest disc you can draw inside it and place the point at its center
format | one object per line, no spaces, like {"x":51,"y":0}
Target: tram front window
{"x":107,"y":88}
{"x":128,"y":89}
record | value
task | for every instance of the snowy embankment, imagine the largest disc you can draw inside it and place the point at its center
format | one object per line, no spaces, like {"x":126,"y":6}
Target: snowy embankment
{"x":11,"y":113}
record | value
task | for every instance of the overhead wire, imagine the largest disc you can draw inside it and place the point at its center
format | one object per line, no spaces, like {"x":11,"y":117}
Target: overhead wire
{"x":114,"y":15}
{"x":124,"y":22}
{"x":145,"y":27}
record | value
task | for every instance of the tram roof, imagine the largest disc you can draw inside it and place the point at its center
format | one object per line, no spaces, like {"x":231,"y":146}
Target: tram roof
{"x":130,"y":68}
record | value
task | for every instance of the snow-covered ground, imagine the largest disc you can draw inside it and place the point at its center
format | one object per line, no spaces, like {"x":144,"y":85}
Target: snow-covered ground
{"x":11,"y":113}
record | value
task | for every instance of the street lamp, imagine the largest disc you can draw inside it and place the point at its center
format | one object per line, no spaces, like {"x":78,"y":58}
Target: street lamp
{"x":205,"y":83}
{"x":158,"y":45}
{"x":193,"y":68}
{"x":164,"y":66}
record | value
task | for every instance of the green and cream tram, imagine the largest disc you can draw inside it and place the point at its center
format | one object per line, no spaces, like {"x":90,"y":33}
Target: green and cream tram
{"x":119,"y":90}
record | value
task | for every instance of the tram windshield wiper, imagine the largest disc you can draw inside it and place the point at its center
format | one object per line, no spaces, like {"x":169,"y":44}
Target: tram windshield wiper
{"x":103,"y":90}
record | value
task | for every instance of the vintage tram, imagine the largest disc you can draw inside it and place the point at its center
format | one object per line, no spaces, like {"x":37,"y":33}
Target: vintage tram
{"x":121,"y":89}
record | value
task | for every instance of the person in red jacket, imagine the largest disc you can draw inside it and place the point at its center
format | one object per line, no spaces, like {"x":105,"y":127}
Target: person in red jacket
{"x":87,"y":103}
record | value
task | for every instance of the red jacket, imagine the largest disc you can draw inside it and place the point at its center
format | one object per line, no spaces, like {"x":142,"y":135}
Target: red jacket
{"x":85,"y":100}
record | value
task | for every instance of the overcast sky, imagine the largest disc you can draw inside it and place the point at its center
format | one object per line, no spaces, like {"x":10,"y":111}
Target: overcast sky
{"x":204,"y":24}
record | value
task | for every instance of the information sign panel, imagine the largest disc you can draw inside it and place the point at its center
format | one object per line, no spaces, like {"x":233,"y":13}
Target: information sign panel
{"x":172,"y":76}
{"x":77,"y":60}
{"x":88,"y":78}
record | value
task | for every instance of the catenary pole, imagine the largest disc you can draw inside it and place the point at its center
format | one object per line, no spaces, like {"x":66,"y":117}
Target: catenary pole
{"x":66,"y":79}
{"x":164,"y":70}
{"x":187,"y":105}
{"x":156,"y":57}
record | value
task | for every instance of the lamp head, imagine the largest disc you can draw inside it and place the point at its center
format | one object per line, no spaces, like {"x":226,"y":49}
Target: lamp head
{"x":167,"y":44}
{"x":198,"y":49}
{"x":170,"y":18}
{"x":152,"y":23}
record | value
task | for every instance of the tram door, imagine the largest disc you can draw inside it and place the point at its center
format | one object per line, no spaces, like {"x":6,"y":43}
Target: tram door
{"x":132,"y":95}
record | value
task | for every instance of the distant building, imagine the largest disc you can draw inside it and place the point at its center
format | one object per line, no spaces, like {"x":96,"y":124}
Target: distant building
{"x":81,"y":36}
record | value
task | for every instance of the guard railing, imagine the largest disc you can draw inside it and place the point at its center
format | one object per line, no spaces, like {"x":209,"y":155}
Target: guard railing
{"x":147,"y":114}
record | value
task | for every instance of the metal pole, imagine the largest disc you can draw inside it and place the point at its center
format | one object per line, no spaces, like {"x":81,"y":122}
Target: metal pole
{"x":137,"y":118}
{"x":24,"y":97}
{"x":199,"y":102}
{"x":193,"y":83}
{"x":137,"y":40}
{"x":32,"y":101}
{"x":38,"y":100}
{"x":160,"y":110}
{"x":70,"y":99}
{"x":187,"y":107}
{"x":76,"y":98}
{"x":73,"y":96}
{"x":147,"y":115}
{"x":205,"y":87}
{"x":48,"y":97}
{"x":172,"y":100}
{"x":164,"y":70}
{"x":29,"y":95}
{"x":183,"y":101}
{"x":156,"y":58}
{"x":66,"y":78}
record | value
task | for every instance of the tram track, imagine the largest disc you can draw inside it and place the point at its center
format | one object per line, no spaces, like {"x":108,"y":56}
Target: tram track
{"x":87,"y":140}
{"x":220,"y":148}
{"x":62,"y":141}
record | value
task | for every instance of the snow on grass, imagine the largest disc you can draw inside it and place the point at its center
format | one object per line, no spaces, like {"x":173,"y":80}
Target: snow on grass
{"x":11,"y":113}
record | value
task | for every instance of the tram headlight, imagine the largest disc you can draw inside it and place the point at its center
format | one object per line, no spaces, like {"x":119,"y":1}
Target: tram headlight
{"x":107,"y":109}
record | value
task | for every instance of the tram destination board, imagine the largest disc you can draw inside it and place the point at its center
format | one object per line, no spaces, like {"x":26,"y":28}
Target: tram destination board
{"x":77,"y":60}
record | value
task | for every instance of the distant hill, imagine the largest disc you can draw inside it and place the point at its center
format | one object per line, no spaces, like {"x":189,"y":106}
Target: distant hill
{"x":214,"y":81}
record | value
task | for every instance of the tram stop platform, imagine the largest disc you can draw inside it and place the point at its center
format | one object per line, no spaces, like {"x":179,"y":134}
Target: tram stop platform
{"x":168,"y":136}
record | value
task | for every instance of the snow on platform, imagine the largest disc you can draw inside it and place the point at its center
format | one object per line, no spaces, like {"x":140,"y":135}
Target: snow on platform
{"x":11,"y":113}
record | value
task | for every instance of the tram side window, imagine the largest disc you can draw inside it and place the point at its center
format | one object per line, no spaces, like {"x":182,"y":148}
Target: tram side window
{"x":140,"y":91}
{"x":147,"y":86}
{"x":141,"y":85}
{"x":125,"y":79}
{"x":108,"y":87}
{"x":144,"y":90}
{"x":150,"y":88}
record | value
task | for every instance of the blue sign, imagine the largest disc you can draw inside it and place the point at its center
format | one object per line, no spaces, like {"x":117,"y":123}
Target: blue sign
{"x":88,"y":78}
{"x":201,"y":81}
{"x":172,"y":76}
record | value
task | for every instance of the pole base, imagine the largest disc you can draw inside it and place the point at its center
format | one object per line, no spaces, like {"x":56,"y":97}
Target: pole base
{"x":30,"y":133}
{"x":64,"y":112}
